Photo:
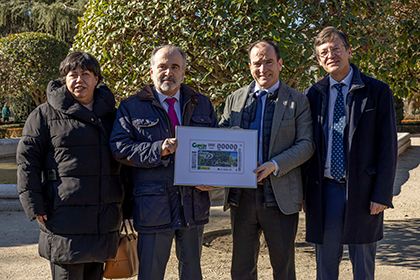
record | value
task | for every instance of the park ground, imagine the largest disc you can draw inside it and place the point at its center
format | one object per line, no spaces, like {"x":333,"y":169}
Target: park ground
{"x":398,"y":256}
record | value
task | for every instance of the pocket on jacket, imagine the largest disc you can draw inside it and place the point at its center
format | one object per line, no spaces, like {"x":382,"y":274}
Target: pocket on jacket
{"x":289,"y":129}
{"x":288,"y":123}
{"x":367,"y":110}
{"x":295,"y":185}
{"x":371,"y":170}
{"x":145,"y":122}
{"x":152,"y":206}
{"x":201,"y":204}
{"x":201,"y":120}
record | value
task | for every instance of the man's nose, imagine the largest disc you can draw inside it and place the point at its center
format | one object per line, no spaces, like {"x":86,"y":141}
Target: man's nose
{"x":263,"y":67}
{"x":330,"y":53}
{"x":168,"y":71}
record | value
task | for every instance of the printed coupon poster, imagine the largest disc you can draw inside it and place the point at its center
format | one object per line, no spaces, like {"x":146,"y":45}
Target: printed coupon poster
{"x":216,"y":157}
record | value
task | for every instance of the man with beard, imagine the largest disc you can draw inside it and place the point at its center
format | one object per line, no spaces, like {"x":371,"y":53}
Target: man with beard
{"x":144,"y":138}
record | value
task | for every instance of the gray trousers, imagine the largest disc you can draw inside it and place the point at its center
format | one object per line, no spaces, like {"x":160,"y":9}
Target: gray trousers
{"x":154,"y":250}
{"x":249,"y":220}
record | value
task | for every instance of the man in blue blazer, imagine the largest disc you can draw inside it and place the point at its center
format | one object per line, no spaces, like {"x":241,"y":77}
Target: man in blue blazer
{"x":349,"y":180}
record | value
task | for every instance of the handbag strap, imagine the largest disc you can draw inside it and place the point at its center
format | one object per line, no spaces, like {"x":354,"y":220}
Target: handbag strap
{"x":124,"y":228}
{"x":131,"y":226}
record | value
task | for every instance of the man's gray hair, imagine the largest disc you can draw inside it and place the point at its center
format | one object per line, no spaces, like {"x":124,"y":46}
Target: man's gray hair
{"x":171,"y":48}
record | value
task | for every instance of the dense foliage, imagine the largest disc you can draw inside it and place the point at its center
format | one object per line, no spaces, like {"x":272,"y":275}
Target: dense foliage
{"x":28,"y":61}
{"x":215,"y":34}
{"x":56,"y":17}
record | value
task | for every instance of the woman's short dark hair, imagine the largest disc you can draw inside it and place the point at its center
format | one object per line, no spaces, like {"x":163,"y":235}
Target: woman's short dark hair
{"x":86,"y":61}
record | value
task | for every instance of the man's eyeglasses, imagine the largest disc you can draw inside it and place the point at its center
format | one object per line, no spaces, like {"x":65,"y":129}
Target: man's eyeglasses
{"x":336,"y":50}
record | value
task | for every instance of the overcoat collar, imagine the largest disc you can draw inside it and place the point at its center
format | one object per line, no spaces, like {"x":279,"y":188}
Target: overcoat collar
{"x":356,"y":99}
{"x":358,"y":96}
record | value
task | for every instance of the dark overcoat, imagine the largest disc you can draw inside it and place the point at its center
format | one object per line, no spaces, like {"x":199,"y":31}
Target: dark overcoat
{"x":66,"y":171}
{"x":370,"y":140}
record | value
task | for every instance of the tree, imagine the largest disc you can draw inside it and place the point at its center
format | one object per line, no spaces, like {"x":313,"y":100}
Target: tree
{"x":28,"y":61}
{"x":215,"y":35}
{"x":406,"y":58}
{"x":57,"y":17}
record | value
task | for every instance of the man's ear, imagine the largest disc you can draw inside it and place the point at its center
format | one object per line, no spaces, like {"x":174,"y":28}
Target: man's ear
{"x":183,"y":75}
{"x":280,"y":62}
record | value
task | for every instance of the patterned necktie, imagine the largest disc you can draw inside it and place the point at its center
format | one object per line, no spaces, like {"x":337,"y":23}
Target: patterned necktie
{"x":256,"y":123}
{"x":337,"y":149}
{"x":171,"y":112}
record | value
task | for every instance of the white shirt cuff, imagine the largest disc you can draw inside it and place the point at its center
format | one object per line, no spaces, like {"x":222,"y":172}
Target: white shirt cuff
{"x":276,"y":172}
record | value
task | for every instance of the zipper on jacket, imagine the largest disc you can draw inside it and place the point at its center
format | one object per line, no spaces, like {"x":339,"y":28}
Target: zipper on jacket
{"x":183,"y":110}
{"x":181,"y":196}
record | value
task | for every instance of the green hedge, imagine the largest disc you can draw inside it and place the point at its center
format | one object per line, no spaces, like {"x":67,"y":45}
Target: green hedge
{"x":13,"y":130}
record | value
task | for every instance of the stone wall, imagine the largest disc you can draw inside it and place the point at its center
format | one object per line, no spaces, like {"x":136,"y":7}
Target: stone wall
{"x":8,"y":147}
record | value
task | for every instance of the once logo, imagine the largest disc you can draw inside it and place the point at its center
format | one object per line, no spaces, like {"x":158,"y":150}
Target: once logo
{"x":200,"y":146}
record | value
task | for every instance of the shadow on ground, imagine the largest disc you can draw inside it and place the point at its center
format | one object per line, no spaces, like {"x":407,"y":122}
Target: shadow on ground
{"x":407,"y":161}
{"x":17,"y":230}
{"x":401,"y":246}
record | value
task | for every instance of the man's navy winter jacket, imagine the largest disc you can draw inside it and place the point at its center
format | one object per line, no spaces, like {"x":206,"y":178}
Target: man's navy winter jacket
{"x":141,"y":126}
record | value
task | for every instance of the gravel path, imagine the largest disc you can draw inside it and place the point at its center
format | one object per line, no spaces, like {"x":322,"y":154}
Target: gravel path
{"x":398,"y":256}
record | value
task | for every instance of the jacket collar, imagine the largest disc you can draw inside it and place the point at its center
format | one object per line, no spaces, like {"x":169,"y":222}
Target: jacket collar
{"x":61,"y":99}
{"x":356,"y":82}
{"x":147,"y":94}
{"x":270,"y":95}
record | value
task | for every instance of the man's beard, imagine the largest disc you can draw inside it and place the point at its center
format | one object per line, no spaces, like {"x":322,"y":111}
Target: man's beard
{"x":166,"y":86}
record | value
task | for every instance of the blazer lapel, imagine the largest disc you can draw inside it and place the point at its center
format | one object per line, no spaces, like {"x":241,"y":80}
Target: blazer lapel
{"x":282,"y":103}
{"x":240,"y":105}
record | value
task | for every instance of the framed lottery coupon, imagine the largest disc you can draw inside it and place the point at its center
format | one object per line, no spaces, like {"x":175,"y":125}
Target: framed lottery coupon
{"x":216,"y":157}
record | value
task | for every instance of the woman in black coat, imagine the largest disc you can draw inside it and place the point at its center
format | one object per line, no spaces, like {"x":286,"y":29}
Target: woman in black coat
{"x":67,"y":177}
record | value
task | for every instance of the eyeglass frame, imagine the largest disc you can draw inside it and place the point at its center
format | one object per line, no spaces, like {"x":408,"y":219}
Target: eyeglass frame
{"x":335,"y":50}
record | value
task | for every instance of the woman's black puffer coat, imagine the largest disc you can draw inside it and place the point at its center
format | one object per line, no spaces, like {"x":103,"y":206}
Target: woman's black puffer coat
{"x":66,"y":171}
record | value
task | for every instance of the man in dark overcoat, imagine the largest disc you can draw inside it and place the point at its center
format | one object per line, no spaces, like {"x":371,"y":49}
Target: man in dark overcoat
{"x":349,"y":180}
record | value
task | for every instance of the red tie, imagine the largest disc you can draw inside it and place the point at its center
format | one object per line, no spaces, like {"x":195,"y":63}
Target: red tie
{"x":171,"y":112}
